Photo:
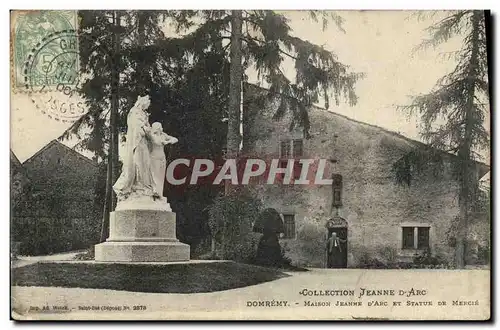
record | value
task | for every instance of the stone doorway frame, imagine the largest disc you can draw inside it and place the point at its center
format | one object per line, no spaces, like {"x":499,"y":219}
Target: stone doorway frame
{"x":331,"y":224}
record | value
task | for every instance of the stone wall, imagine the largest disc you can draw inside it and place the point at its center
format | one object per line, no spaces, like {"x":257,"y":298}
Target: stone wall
{"x":60,"y":210}
{"x":374,"y":205}
{"x":58,"y":167}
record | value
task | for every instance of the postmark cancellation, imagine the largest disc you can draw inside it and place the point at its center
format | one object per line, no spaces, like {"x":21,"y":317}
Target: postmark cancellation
{"x":45,"y":62}
{"x":45,"y":48}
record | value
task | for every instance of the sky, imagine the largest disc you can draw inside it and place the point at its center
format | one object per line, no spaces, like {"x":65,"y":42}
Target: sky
{"x":378,"y":43}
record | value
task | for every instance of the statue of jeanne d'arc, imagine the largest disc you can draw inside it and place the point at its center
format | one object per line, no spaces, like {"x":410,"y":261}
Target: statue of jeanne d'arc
{"x":143,"y":171}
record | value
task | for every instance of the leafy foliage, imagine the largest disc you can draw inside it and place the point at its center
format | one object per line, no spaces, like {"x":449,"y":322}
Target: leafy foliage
{"x":187,"y":77}
{"x":416,"y":162}
{"x":267,"y":40}
{"x":139,"y":68}
{"x":231,"y":219}
{"x":453,"y":114}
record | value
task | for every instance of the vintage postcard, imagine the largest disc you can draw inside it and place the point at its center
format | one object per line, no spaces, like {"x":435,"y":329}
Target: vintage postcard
{"x":250,"y":165}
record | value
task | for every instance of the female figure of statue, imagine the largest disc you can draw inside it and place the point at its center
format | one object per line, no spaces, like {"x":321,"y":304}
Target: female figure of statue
{"x":137,"y":176}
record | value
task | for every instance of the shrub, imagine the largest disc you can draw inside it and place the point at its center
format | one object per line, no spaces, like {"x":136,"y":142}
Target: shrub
{"x":387,"y":257}
{"x":367,"y":261}
{"x":379,"y":257}
{"x":483,"y":254}
{"x":312,"y":240}
{"x":230,"y":219}
{"x":389,"y":254}
{"x":428,"y":260}
{"x":309,"y":231}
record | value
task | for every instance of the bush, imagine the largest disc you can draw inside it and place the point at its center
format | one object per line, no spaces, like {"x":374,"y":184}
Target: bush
{"x":483,"y":254}
{"x":44,"y":236}
{"x":367,"y":261}
{"x":427,"y":260}
{"x":381,"y":257}
{"x":389,"y":254}
{"x":231,"y":219}
{"x":244,"y":250}
{"x":311,"y":241}
{"x":386,"y":257}
{"x":269,"y":252}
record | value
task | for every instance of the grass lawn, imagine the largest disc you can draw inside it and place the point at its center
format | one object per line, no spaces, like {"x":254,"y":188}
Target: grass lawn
{"x":172,"y":278}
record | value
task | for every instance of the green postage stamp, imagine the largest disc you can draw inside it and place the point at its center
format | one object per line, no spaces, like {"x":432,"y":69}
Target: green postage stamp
{"x":45,"y":48}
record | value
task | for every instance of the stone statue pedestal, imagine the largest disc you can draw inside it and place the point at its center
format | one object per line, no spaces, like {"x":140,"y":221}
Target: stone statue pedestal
{"x":142,"y":231}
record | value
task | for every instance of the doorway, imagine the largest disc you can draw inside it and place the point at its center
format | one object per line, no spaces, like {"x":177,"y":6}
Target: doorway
{"x":337,"y":248}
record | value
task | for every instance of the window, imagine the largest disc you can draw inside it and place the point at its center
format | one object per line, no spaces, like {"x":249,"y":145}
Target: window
{"x":297,"y":169}
{"x":416,"y":238}
{"x":291,"y":148}
{"x":408,"y":240}
{"x":297,"y":147}
{"x":295,"y":174}
{"x":423,"y":238}
{"x":289,"y":225}
{"x":337,"y":190}
{"x":282,"y":164}
{"x":285,"y":149}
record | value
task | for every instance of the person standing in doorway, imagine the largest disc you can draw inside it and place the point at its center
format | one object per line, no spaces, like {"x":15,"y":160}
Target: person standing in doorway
{"x":334,"y":251}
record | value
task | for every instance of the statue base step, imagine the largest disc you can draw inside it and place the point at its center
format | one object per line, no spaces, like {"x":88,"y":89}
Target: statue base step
{"x":142,"y":251}
{"x":142,"y":235}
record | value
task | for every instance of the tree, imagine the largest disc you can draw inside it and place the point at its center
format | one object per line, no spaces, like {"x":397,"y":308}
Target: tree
{"x":188,"y":92}
{"x":234,"y":237}
{"x":453,"y":113}
{"x":266,"y":39}
{"x":261,"y":39}
{"x":110,"y":43}
{"x":235,"y":79}
{"x":169,"y":68}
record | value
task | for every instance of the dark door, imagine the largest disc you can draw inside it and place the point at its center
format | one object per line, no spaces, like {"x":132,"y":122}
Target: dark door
{"x":337,"y":249}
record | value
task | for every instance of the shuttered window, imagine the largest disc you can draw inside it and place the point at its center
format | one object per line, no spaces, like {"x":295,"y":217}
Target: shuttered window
{"x":416,"y":238}
{"x":289,"y":225}
{"x":291,"y":148}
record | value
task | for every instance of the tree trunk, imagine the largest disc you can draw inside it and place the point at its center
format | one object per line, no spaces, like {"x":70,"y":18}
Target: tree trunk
{"x":115,"y":105}
{"x":236,"y":72}
{"x":141,"y":41}
{"x":112,"y":167}
{"x":233,"y":124}
{"x":467,"y":174}
{"x":107,"y":202}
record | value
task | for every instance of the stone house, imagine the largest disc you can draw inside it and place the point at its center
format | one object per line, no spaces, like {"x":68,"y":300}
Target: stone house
{"x":19,"y":179}
{"x":59,"y":212}
{"x":365,"y":206}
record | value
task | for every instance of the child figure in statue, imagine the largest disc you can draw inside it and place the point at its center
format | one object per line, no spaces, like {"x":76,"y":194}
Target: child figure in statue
{"x":158,"y":159}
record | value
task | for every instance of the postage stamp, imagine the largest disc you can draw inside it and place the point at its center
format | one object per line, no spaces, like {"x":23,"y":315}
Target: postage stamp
{"x":45,"y":62}
{"x":52,"y":78}
{"x":45,"y":48}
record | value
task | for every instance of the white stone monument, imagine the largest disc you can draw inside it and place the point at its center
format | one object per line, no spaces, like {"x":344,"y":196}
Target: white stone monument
{"x":142,"y":227}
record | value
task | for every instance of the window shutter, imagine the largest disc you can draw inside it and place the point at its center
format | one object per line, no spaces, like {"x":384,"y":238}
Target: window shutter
{"x":298,"y":148}
{"x":408,"y":238}
{"x":285,"y":149}
{"x":423,"y":238}
{"x":289,"y":224}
